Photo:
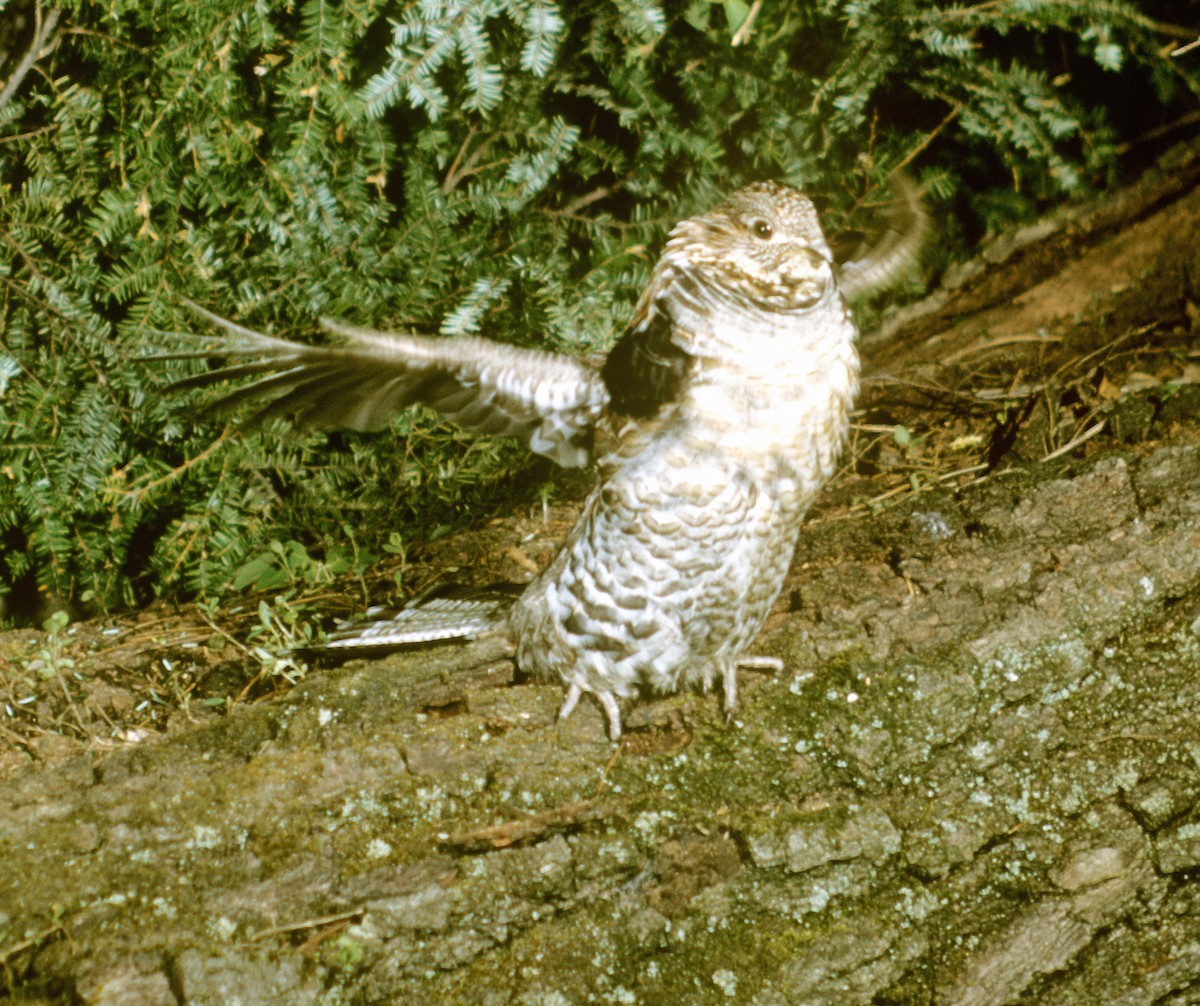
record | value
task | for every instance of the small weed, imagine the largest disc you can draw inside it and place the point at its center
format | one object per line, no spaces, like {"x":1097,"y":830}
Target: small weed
{"x":50,"y":661}
{"x":395,"y":546}
{"x":283,"y":626}
{"x":285,"y":564}
{"x":281,"y":630}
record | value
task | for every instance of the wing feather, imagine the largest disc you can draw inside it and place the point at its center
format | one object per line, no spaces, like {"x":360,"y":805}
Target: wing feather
{"x":896,"y":249}
{"x":648,"y":368}
{"x":547,"y":400}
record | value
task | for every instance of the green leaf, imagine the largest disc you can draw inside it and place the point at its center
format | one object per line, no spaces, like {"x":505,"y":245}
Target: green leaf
{"x":736,"y":12}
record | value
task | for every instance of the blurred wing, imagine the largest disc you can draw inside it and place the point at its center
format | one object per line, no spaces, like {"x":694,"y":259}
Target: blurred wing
{"x":896,"y":250}
{"x":548,"y":401}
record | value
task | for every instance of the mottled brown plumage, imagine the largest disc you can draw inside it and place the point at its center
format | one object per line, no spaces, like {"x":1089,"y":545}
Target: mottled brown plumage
{"x":713,"y":422}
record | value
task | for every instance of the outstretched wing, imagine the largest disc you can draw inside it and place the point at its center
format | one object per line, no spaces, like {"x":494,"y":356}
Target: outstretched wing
{"x":547,"y":400}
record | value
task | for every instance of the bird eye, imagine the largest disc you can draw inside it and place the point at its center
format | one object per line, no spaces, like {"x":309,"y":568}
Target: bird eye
{"x":762,"y":229}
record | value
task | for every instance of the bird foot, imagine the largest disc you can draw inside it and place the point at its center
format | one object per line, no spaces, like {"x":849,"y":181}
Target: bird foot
{"x":729,"y":677}
{"x":608,"y":702}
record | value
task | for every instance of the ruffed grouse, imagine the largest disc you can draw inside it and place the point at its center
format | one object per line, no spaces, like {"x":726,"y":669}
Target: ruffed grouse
{"x":713,"y":422}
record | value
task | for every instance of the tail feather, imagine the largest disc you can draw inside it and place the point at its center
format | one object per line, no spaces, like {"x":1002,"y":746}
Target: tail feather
{"x":458,"y":616}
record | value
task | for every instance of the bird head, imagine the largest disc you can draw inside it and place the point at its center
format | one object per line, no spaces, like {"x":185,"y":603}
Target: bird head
{"x":761,"y":248}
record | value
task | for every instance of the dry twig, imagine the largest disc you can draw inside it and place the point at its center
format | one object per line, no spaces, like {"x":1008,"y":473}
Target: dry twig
{"x":43,"y":28}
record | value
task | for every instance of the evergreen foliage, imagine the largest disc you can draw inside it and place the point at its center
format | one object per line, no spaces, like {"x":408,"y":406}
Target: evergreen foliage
{"x":507,"y":167}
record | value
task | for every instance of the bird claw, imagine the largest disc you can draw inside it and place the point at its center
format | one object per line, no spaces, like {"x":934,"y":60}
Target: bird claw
{"x":608,"y":703}
{"x":761,"y":663}
{"x":729,"y":680}
{"x":574,"y":693}
{"x":613,"y":712}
